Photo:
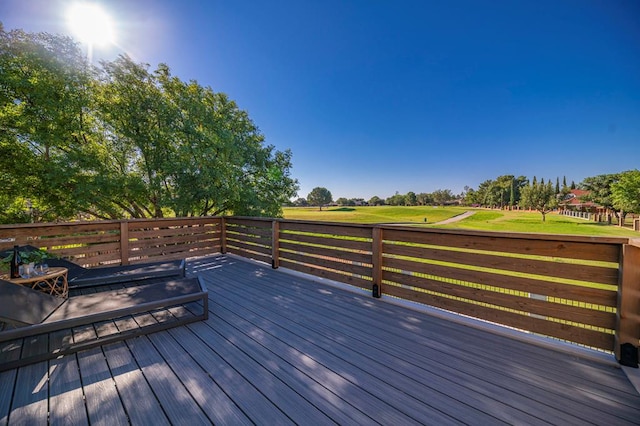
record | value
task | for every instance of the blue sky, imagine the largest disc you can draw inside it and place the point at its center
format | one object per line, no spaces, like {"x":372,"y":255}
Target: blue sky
{"x":375,"y":97}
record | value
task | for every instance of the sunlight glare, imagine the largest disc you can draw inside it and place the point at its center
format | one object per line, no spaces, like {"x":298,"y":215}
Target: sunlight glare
{"x":91,"y":24}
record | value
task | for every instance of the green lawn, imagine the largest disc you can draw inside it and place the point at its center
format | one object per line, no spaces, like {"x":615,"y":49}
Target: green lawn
{"x":378,"y":214}
{"x":488,"y":220}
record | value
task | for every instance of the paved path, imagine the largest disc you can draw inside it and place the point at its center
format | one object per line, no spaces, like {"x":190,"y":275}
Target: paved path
{"x":443,"y":222}
{"x":455,"y":218}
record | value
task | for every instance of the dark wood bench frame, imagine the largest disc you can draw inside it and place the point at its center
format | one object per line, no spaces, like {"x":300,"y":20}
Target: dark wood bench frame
{"x":36,"y":313}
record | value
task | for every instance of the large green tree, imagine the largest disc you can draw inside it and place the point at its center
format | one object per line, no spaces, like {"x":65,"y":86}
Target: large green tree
{"x":625,"y":193}
{"x":539,"y":196}
{"x":411,"y":199}
{"x":376,"y":201}
{"x":442,"y":196}
{"x":319,"y":196}
{"x":123,"y":141}
{"x":599,"y":188}
{"x":45,"y":125}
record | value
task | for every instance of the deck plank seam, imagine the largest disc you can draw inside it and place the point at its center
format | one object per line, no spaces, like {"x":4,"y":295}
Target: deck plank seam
{"x":463,"y":402}
{"x":411,"y":402}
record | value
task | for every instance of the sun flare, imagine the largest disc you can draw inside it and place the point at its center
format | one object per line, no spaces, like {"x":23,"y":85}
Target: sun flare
{"x":91,"y":24}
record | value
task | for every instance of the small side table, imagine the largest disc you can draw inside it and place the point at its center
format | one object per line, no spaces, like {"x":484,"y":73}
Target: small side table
{"x":53,"y":282}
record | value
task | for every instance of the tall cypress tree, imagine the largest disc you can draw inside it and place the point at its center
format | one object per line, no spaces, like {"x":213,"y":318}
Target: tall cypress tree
{"x":512,"y":195}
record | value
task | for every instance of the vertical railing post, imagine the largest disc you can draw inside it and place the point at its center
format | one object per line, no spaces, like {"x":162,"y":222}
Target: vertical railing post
{"x":223,"y":235}
{"x":275,"y":244}
{"x":376,"y":261}
{"x":627,"y":336}
{"x":124,"y":242}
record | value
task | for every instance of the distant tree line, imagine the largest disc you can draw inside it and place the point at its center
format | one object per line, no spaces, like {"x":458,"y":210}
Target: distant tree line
{"x":438,"y":197}
{"x":618,"y":193}
{"x":121,"y":141}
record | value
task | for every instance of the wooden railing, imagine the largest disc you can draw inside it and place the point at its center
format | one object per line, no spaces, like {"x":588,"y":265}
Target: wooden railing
{"x":584,"y":290}
{"x":119,"y":242}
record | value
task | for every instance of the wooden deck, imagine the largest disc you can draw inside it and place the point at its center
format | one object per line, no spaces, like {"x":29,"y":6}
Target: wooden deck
{"x":278,"y":349}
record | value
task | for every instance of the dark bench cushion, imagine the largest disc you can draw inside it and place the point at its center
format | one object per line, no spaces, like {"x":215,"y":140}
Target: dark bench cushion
{"x":21,"y":305}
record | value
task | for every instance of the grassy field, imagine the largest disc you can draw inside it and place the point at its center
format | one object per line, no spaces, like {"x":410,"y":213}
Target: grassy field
{"x":482,"y":219}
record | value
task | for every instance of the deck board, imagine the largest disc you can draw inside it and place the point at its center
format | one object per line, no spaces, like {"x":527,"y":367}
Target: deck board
{"x":176,"y":401}
{"x":254,"y":404}
{"x":368,"y":372}
{"x":281,"y":349}
{"x":507,"y":384}
{"x":137,"y":396}
{"x":66,"y":405}
{"x":218,"y":406}
{"x":432,"y":383}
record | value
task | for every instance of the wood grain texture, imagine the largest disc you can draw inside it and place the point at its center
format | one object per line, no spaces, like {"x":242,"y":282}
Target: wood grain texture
{"x":326,"y":273}
{"x":347,"y":230}
{"x":628,"y":321}
{"x":572,"y":247}
{"x":334,"y":263}
{"x":524,"y":303}
{"x":567,"y":332}
{"x":335,"y":252}
{"x":241,"y":245}
{"x":596,"y":274}
{"x":328,"y":240}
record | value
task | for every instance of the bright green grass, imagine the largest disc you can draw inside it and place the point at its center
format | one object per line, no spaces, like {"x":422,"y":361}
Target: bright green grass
{"x":487,"y":220}
{"x":378,"y":214}
{"x":514,"y":221}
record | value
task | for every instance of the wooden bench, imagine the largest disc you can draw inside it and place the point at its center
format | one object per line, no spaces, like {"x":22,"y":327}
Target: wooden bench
{"x":29,"y":314}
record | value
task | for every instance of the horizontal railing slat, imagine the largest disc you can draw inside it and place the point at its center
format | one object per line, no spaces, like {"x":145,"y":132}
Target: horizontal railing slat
{"x":327,"y":240}
{"x":596,"y":274}
{"x":328,"y":229}
{"x":240,"y":245}
{"x":172,"y":232}
{"x":257,"y":232}
{"x":548,"y":328}
{"x":260,"y":223}
{"x":263,"y":240}
{"x":570,"y":247}
{"x":325,"y":273}
{"x":577,"y":293}
{"x":326,"y":251}
{"x":251,"y":255}
{"x":592,"y":317}
{"x":329,"y":263}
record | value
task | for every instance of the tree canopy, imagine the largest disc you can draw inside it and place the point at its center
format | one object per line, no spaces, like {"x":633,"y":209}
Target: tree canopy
{"x":599,"y":188}
{"x":119,"y":140}
{"x":539,"y":196}
{"x":319,"y":196}
{"x":625,"y":193}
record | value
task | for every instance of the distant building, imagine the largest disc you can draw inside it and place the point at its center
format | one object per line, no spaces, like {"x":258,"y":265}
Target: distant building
{"x":573,"y":201}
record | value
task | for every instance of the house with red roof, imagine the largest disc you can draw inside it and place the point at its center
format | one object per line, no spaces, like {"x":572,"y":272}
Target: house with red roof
{"x":574,"y":201}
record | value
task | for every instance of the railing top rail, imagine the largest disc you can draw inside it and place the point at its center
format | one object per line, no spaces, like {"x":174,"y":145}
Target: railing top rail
{"x":491,"y":234}
{"x":100,"y":222}
{"x":494,"y":234}
{"x":512,"y":235}
{"x":310,"y":222}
